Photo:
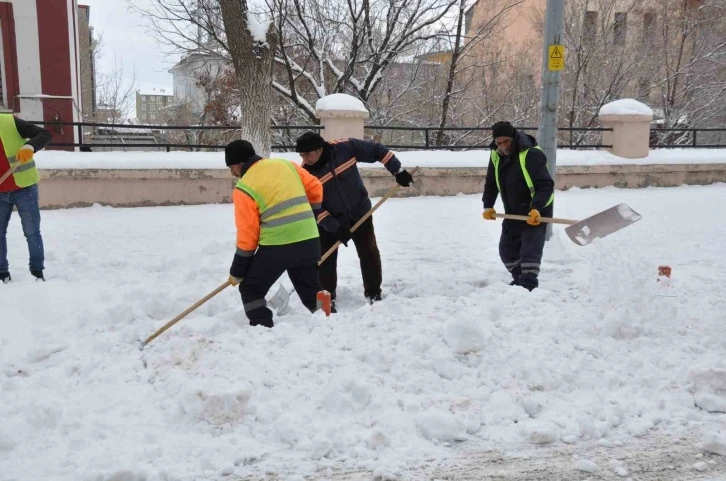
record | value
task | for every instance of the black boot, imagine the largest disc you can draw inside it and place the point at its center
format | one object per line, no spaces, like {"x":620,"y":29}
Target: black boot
{"x":373,"y":298}
{"x":5,"y":277}
{"x":333,"y":310}
{"x":38,"y":275}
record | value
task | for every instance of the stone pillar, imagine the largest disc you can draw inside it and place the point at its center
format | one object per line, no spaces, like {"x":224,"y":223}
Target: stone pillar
{"x":630,"y":121}
{"x":342,"y":116}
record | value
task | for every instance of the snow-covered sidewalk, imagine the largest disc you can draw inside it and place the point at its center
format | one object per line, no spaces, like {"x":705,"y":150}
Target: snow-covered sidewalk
{"x":453,"y":361}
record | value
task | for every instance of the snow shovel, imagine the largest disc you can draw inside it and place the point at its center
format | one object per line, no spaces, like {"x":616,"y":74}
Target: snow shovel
{"x":278,"y":302}
{"x":583,"y":232}
{"x":283,"y":294}
{"x":366,"y":216}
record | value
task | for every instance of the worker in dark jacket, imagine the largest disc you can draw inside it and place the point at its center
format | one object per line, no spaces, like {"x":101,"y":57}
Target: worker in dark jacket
{"x":346,"y":201}
{"x":518,"y":171}
{"x":20,"y":141}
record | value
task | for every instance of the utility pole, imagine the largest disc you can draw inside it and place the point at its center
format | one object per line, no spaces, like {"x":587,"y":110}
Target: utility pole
{"x":553,"y":62}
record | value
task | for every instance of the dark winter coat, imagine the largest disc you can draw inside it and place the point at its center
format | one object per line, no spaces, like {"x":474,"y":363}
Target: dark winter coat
{"x":345,"y":198}
{"x":515,"y":193}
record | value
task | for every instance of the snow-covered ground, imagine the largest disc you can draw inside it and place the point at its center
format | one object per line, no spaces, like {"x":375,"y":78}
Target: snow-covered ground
{"x":423,"y":158}
{"x":454,"y":375}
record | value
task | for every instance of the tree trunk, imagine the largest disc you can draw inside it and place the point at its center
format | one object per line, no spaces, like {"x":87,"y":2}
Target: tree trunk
{"x":452,"y":74}
{"x":252,"y":62}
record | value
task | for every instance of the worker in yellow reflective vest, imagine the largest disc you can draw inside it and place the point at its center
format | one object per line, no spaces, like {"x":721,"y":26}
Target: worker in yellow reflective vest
{"x":275,"y":206}
{"x":518,"y":171}
{"x":20,"y":189}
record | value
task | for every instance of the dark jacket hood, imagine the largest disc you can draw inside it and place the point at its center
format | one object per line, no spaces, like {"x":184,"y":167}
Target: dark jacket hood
{"x":249,"y":163}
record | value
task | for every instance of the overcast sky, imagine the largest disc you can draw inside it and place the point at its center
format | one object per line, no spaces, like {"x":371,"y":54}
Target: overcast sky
{"x":125,"y":37}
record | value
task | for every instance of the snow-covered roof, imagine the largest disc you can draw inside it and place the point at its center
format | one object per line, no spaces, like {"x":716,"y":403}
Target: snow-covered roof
{"x":165,"y":91}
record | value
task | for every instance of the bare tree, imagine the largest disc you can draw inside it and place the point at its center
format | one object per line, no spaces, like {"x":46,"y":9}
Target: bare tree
{"x":252,"y":48}
{"x":324,"y":47}
{"x":115,"y":94}
{"x":465,"y":45}
{"x":687,"y":47}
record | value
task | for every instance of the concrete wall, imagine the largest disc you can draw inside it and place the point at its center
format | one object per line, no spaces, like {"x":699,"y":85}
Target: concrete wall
{"x":138,"y":188}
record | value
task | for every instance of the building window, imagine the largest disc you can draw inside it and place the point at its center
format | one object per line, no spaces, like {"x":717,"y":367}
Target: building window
{"x":648,"y":26}
{"x":590,"y":27}
{"x":153,"y":116}
{"x":143,"y":98}
{"x":143,"y":116}
{"x":153,"y":107}
{"x":620,"y":28}
{"x":143,"y":106}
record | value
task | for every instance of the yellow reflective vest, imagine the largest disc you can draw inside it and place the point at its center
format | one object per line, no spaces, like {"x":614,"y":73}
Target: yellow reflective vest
{"x":26,"y":174}
{"x":523,"y":165}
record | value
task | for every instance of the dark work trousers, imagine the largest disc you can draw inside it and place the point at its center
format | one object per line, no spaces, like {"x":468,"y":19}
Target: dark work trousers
{"x":520,"y":248}
{"x":364,"y":239}
{"x":300,"y":260}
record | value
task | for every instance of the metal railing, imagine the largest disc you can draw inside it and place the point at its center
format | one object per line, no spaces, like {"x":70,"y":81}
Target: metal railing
{"x":483,"y":142}
{"x":424,"y":140}
{"x":690,"y":135}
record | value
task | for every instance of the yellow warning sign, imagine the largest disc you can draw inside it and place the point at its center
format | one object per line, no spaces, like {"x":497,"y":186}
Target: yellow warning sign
{"x":556,"y":57}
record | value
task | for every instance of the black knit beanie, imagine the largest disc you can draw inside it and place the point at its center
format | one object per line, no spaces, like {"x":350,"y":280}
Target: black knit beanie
{"x":237,"y":152}
{"x":503,"y":129}
{"x":308,"y":142}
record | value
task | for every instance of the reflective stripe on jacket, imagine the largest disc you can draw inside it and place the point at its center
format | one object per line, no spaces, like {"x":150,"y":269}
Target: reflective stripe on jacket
{"x":26,"y":174}
{"x":523,"y":165}
{"x":274,"y":202}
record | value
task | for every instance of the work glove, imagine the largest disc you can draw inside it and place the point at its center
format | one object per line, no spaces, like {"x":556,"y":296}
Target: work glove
{"x":238,"y":271}
{"x":404,"y":179}
{"x":25,"y":154}
{"x":533,"y":217}
{"x":489,"y":214}
{"x":343,"y":234}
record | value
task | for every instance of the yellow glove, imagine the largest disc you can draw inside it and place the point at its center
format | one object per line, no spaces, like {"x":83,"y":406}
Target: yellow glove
{"x":533,"y":217}
{"x":489,"y":214}
{"x":25,"y":154}
{"x":234,"y":280}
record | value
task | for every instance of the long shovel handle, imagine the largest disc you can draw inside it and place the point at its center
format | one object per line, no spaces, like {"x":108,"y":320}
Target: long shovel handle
{"x":9,"y":172}
{"x":185,"y":313}
{"x":553,"y":220}
{"x":388,"y":195}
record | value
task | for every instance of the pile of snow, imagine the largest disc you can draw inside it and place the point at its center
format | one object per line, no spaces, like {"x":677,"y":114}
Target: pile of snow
{"x":625,"y":107}
{"x":452,"y":362}
{"x":340,"y":102}
{"x":426,"y":158}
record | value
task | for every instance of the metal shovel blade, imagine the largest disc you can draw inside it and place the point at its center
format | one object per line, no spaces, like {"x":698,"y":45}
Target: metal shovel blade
{"x":280,"y":300}
{"x":602,"y":224}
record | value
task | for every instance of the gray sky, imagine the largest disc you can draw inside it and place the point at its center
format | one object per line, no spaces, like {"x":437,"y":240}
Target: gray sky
{"x":125,"y":38}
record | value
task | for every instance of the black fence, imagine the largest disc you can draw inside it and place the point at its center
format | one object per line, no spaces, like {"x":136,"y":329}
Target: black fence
{"x":477,"y":137}
{"x":104,"y":136}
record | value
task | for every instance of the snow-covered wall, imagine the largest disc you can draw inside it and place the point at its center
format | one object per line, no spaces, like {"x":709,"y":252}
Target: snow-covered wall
{"x":423,"y":158}
{"x":147,"y":179}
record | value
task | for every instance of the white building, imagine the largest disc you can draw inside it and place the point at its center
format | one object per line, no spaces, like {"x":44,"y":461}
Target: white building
{"x":186,"y":75}
{"x":151,"y":102}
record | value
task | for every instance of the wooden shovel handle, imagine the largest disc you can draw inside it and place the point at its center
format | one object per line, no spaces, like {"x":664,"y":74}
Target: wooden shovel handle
{"x":186,"y":313}
{"x":367,"y":215}
{"x":9,"y":172}
{"x":553,"y":220}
